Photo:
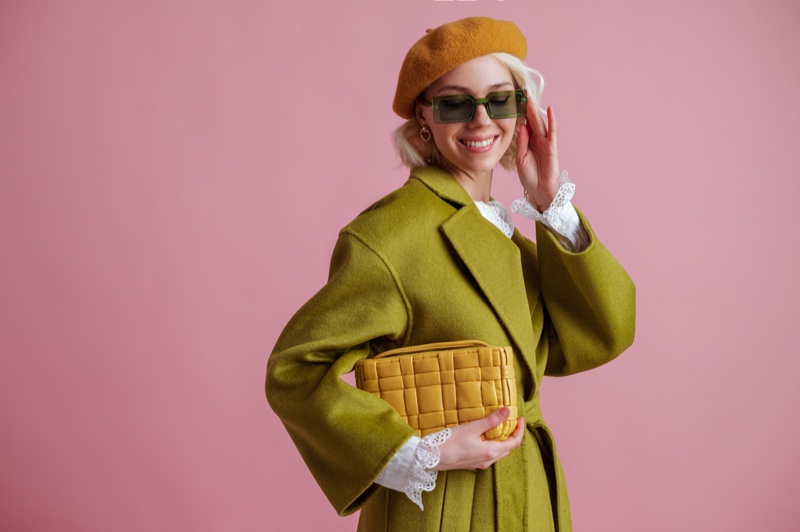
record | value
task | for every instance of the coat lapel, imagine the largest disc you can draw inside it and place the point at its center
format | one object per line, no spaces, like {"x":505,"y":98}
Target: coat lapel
{"x":491,"y":257}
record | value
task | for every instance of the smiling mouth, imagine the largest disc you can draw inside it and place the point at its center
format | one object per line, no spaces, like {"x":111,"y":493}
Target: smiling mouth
{"x":478,"y":143}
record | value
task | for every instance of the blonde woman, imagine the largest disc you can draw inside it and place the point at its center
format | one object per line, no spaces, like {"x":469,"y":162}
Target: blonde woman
{"x":439,"y":260}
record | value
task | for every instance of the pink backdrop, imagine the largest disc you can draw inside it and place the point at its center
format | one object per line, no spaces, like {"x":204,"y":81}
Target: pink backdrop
{"x":172,"y":179}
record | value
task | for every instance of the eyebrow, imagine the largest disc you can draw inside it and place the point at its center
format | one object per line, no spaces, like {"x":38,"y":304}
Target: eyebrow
{"x":465,"y":89}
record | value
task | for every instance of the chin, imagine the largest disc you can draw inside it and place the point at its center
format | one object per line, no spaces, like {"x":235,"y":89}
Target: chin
{"x":481,"y":165}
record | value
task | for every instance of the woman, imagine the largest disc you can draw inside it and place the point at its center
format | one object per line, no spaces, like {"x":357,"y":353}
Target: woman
{"x":437,"y":260}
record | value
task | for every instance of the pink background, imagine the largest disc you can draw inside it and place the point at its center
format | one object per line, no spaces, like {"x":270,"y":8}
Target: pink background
{"x":172,"y":179}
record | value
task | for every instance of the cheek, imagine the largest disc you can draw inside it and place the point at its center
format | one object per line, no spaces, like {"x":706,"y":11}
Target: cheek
{"x":443,"y":133}
{"x":509,"y":129}
{"x":510,"y":125}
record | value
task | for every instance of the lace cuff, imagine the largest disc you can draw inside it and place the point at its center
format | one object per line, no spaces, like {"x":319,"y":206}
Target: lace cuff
{"x":409,"y":470}
{"x":560,"y":216}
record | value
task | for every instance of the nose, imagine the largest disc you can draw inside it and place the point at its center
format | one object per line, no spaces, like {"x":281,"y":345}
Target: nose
{"x":481,"y":117}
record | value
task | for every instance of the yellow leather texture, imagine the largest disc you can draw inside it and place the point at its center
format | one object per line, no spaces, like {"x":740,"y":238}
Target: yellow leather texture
{"x":434,"y":386}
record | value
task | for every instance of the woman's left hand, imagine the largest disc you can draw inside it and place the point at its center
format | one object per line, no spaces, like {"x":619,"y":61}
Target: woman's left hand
{"x":537,"y":157}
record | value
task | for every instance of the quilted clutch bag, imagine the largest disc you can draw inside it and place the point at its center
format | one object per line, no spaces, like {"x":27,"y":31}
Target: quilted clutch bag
{"x":434,"y":386}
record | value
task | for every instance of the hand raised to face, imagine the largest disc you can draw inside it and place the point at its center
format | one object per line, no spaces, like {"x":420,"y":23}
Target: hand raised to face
{"x":537,"y":157}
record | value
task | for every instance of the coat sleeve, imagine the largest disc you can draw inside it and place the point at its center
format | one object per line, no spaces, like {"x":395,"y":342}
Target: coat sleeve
{"x":345,"y":435}
{"x":590,"y":301}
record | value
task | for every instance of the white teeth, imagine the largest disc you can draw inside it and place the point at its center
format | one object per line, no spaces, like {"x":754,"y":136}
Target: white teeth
{"x":479,"y":143}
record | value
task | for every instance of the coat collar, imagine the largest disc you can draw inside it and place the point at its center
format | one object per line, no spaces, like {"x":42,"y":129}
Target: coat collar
{"x":492,"y":258}
{"x":443,"y":184}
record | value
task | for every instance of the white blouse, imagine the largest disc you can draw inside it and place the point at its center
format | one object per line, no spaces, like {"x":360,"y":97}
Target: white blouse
{"x":411,"y":469}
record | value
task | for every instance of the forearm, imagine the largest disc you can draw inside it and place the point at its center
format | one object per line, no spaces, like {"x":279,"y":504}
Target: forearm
{"x":590,"y":302}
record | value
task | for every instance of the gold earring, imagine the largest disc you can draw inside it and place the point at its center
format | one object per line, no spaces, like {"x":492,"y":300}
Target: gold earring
{"x":425,"y":134}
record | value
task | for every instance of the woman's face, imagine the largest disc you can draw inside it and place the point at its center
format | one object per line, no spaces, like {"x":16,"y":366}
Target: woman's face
{"x":475,"y":146}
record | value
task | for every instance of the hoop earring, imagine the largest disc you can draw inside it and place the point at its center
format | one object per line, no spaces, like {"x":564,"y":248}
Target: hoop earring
{"x":425,"y":134}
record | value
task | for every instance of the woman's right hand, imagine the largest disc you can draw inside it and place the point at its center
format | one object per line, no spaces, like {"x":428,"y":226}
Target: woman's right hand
{"x":465,"y":449}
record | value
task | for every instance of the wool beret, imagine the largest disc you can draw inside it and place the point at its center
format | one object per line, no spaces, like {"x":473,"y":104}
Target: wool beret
{"x":444,"y":48}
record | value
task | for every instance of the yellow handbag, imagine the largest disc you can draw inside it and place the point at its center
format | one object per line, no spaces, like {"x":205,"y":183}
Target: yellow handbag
{"x":440,"y":385}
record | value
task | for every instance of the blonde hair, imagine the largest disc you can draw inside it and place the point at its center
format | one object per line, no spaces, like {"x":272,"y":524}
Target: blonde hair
{"x":414,"y":152}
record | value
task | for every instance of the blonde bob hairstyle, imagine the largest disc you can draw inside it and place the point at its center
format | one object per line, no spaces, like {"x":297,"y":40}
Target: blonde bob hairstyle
{"x":414,"y":152}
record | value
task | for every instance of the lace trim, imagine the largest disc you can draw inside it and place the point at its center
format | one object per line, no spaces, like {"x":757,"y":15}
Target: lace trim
{"x":551,"y":215}
{"x":422,"y":478}
{"x":496,"y":212}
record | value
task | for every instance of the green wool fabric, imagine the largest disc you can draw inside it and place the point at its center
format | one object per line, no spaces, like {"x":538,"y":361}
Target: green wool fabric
{"x":422,"y":265}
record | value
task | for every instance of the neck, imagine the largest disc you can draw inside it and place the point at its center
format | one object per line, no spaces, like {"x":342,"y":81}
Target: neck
{"x":477,"y":184}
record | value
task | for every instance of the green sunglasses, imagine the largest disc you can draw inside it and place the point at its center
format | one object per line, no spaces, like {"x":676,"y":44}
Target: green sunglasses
{"x":461,"y":107}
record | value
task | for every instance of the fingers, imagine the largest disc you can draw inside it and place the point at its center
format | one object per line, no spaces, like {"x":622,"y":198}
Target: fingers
{"x":519,"y":430}
{"x":495,"y":419}
{"x":535,"y":120}
{"x":497,"y":450}
{"x":475,"y":428}
{"x":522,"y":142}
{"x":551,"y":124}
{"x":515,"y":438}
{"x":466,"y":450}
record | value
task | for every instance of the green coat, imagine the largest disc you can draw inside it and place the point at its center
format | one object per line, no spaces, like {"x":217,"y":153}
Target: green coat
{"x":422,"y":265}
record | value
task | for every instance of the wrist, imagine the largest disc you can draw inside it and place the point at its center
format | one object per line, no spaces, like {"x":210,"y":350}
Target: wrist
{"x":540,"y":206}
{"x":423,"y":473}
{"x":559,"y":214}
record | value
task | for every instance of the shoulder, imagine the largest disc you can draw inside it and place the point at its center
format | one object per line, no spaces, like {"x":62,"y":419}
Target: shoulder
{"x":413,"y":211}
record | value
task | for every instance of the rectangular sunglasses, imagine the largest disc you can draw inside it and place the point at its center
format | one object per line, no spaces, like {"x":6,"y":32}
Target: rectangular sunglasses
{"x":461,"y":107}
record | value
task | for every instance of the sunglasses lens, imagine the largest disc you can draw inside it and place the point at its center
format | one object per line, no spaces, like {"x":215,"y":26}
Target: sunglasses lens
{"x":457,"y":109}
{"x":503,"y":105}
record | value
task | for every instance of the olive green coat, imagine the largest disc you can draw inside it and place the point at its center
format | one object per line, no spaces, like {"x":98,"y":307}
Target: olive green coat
{"x":422,"y":265}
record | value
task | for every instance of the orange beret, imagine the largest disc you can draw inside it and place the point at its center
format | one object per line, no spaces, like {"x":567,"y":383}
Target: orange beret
{"x":450,"y":45}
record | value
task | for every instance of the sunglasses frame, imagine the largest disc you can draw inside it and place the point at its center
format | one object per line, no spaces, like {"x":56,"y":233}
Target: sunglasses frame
{"x":518,"y":93}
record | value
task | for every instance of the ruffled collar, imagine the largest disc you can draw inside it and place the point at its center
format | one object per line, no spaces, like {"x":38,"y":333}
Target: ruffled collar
{"x":496,"y":212}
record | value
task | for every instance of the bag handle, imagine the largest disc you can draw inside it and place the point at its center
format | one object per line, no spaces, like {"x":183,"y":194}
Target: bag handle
{"x":432,"y":347}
